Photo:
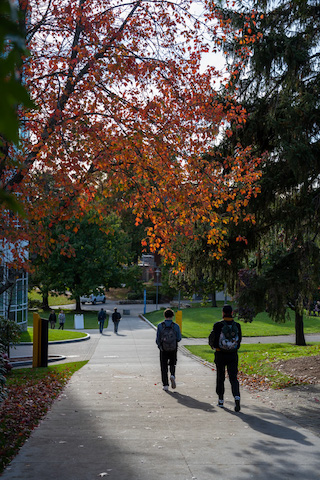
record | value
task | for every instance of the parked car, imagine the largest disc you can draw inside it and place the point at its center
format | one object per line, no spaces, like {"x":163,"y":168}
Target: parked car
{"x":93,"y":299}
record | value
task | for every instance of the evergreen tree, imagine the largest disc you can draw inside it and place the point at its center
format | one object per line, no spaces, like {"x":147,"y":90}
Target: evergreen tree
{"x":278,"y":82}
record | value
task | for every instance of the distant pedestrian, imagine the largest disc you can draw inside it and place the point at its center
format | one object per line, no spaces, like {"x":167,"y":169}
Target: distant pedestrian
{"x":168,"y":336}
{"x":311,"y":308}
{"x":225,"y":339}
{"x":53,"y":319}
{"x":102,"y":315}
{"x":116,"y":317}
{"x":62,"y":319}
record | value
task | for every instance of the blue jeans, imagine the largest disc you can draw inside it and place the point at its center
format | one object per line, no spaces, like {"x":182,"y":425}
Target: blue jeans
{"x":101,"y":324}
{"x":116,"y":325}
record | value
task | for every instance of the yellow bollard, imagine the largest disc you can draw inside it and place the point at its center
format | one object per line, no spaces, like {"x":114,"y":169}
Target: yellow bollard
{"x":179,"y":319}
{"x":36,"y":360}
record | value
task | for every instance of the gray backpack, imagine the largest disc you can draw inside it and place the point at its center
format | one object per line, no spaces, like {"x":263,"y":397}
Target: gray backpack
{"x":229,"y":337}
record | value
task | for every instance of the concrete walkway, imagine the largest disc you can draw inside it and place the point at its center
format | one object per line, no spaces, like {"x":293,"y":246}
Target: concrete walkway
{"x":114,"y":420}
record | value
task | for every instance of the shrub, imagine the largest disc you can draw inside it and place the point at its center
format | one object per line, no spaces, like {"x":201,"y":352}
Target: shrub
{"x":3,"y":372}
{"x":9,"y":333}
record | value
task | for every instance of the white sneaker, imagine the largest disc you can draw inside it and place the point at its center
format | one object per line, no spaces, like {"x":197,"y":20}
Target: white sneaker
{"x":166,"y":388}
{"x":173,"y":381}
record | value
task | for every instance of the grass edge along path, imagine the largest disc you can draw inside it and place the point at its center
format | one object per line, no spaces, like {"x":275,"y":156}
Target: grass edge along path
{"x":30,"y":393}
{"x":257,"y":363}
{"x":197,"y":322}
{"x":90,"y":318}
{"x":54,"y":335}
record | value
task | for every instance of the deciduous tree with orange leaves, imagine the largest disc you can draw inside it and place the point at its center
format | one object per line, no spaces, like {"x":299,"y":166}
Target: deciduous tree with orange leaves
{"x":125,"y":113}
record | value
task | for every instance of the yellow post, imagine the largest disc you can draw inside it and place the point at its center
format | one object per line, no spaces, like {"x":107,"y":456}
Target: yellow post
{"x":36,"y":361}
{"x":179,"y":319}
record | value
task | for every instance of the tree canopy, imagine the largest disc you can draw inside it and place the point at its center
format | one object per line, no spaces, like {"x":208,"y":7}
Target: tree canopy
{"x":279,"y":87}
{"x":125,"y":112}
{"x":93,"y":257}
{"x":13,"y":93}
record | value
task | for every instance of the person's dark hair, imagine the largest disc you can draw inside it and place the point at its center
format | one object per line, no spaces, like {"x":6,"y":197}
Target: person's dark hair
{"x":227,"y":310}
{"x":168,"y":313}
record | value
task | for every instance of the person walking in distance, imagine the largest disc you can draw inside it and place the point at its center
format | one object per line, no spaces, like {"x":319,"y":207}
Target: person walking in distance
{"x":62,"y":319}
{"x":102,"y":315}
{"x":168,"y":336}
{"x":116,"y":317}
{"x":52,"y":319}
{"x":225,"y":339}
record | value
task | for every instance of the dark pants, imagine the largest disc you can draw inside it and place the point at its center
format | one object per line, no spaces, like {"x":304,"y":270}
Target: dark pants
{"x":229,"y":360}
{"x":167,"y":359}
{"x":115,"y":326}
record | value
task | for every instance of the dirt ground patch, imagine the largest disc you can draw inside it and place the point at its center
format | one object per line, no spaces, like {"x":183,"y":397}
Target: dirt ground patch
{"x":300,"y":403}
{"x":304,"y":368}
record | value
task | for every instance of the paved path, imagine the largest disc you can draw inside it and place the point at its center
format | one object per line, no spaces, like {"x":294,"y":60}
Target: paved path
{"x":114,"y":420}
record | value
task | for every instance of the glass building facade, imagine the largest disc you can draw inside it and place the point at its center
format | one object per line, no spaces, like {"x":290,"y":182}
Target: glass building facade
{"x":14,"y":301}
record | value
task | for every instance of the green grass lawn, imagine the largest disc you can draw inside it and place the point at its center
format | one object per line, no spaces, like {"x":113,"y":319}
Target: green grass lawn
{"x":197,"y":322}
{"x":90,"y":319}
{"x":54,"y":300}
{"x":54,"y":335}
{"x":257,"y":360}
{"x":20,"y":375}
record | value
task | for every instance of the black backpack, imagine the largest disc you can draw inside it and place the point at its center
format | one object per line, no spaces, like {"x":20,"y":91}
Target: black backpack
{"x":211,"y":339}
{"x":168,"y":338}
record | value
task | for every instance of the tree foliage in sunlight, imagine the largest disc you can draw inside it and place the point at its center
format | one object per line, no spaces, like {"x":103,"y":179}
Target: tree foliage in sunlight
{"x":125,"y":113}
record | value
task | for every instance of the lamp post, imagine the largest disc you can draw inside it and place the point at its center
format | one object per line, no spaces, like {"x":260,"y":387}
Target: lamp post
{"x":157,"y":272}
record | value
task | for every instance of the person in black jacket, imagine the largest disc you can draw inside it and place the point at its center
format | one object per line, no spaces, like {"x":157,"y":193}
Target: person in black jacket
{"x":168,"y":346}
{"x":225,"y":339}
{"x":116,"y":317}
{"x":102,"y":316}
{"x":53,"y":319}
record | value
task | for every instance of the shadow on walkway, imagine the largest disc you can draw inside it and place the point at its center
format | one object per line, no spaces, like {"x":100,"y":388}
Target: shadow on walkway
{"x":267,"y":422}
{"x":191,"y":402}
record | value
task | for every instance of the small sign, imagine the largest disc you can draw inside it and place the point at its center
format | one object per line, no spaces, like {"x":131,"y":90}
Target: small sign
{"x":79,"y":321}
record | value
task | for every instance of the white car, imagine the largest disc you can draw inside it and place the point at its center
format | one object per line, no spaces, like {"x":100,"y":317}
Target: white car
{"x":93,"y":299}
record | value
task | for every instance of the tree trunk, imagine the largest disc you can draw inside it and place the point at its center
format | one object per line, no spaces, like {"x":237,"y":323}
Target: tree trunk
{"x":45,"y":300}
{"x":300,"y":340}
{"x":214,"y":298}
{"x":78,"y":305}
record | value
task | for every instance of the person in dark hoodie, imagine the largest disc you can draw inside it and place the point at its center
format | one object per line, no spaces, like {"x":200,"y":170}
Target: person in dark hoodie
{"x":168,"y":336}
{"x":116,"y":317}
{"x":225,"y":339}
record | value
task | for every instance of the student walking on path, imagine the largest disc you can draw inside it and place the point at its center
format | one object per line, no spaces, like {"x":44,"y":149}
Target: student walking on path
{"x":52,"y":319}
{"x":168,"y":336}
{"x":116,"y":317}
{"x":225,"y":339}
{"x":102,"y":316}
{"x":62,"y":319}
